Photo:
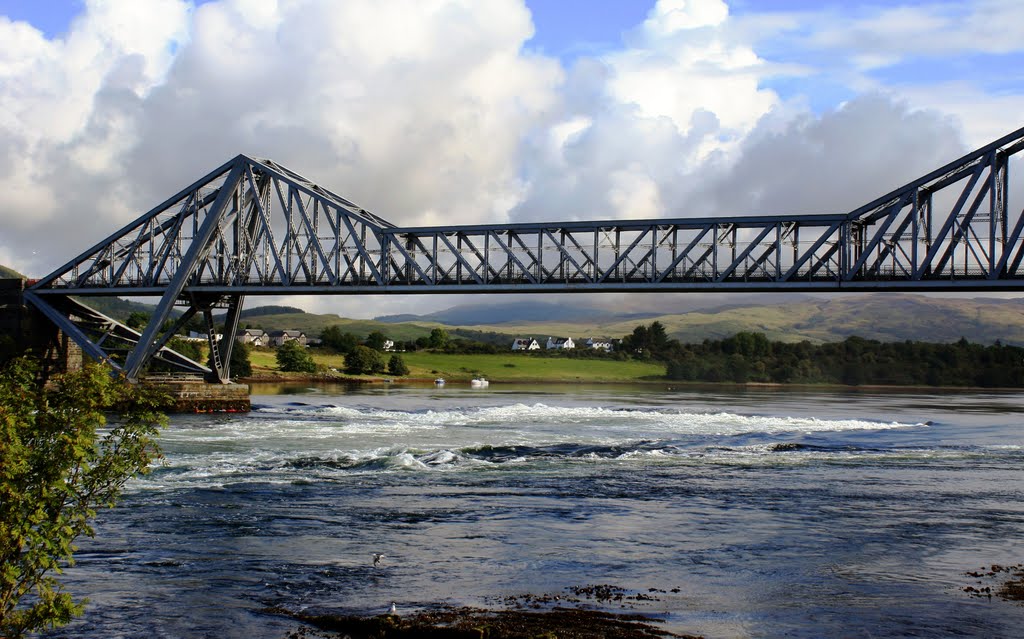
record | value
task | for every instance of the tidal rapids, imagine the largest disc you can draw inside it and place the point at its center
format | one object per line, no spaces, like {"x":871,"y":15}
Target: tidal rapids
{"x":758,"y":513}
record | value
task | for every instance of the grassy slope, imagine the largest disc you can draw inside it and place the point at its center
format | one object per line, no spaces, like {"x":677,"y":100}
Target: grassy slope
{"x":518,"y":367}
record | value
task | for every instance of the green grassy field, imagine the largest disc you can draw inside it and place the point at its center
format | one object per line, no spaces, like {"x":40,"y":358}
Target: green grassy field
{"x":521,"y":367}
{"x":500,"y":368}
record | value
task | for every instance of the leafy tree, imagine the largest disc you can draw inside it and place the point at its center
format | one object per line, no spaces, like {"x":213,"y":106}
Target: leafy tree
{"x":363,"y":360}
{"x":337,"y":340}
{"x":56,"y":471}
{"x":397,"y":366}
{"x":438,"y":338}
{"x":375,"y":340}
{"x":293,"y":357}
{"x":241,"y":366}
{"x":9,"y":348}
{"x":189,"y":349}
{"x":137,"y":320}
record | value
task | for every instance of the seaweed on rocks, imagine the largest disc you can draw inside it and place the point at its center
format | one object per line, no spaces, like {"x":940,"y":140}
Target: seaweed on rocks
{"x":1005,"y":582}
{"x":448,"y":622}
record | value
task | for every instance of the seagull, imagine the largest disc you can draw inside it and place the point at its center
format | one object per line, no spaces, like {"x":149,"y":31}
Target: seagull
{"x":376,"y":559}
{"x":393,"y":610}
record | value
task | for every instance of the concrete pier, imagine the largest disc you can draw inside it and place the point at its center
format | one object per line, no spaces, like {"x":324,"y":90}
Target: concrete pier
{"x":192,"y":394}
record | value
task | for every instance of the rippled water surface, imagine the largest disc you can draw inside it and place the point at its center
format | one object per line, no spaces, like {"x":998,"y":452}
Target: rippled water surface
{"x":758,"y":513}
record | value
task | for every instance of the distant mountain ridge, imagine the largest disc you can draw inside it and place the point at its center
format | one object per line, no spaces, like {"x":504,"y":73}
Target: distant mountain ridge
{"x":572,"y":308}
{"x":529,"y":311}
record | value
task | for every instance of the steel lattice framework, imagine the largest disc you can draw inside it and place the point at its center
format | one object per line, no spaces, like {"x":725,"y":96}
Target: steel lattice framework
{"x":253,"y":227}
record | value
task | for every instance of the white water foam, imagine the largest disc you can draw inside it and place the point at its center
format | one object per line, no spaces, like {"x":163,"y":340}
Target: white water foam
{"x":375,"y":420}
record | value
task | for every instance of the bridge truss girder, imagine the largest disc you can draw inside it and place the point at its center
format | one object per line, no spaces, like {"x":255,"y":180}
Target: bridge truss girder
{"x":252,"y":227}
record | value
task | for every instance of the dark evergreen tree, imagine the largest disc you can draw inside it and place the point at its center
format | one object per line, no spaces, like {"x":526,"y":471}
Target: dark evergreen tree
{"x":397,"y":366}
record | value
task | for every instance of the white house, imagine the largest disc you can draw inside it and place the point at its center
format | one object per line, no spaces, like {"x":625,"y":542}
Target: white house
{"x":525,"y":344}
{"x":278,"y":338}
{"x":564,"y":343}
{"x":599,"y":344}
{"x":389,"y":345}
{"x":253,"y":336}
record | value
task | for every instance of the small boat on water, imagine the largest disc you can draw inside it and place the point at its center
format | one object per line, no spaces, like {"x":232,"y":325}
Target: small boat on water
{"x":439,"y":381}
{"x":479,"y":382}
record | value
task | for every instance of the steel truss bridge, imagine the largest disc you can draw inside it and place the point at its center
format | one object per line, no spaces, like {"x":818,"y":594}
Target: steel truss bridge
{"x":253,"y":227}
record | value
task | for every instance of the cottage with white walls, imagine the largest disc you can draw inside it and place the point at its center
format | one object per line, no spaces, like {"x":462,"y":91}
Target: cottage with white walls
{"x":599,"y":344}
{"x":560,"y":343}
{"x":525,"y":344}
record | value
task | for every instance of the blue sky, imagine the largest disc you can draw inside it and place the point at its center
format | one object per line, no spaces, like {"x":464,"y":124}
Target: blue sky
{"x":612,"y":109}
{"x":570,"y":29}
{"x":565,"y":28}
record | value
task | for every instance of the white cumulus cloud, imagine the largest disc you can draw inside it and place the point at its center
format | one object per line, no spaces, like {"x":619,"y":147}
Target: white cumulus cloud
{"x":434,"y":111}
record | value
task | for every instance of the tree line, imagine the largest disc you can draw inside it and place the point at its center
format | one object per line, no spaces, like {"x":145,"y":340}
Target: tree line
{"x":752,"y":357}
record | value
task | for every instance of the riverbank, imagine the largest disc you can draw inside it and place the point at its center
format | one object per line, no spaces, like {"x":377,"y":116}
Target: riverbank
{"x":277,"y":377}
{"x":425,"y":367}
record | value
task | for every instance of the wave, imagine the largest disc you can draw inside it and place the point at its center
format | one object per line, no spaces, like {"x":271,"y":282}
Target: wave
{"x":372,"y":419}
{"x":298,"y":441}
{"x":268,"y":467}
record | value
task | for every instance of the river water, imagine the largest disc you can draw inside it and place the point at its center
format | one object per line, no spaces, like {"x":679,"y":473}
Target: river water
{"x":753,"y":513}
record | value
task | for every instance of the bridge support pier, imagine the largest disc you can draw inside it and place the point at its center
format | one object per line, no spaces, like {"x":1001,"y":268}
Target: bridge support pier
{"x":191,"y":394}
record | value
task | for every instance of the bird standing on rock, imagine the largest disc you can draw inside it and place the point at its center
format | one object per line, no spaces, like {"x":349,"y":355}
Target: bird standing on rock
{"x":393,"y":610}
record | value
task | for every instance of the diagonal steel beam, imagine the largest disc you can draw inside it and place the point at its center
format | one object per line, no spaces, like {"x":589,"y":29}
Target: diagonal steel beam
{"x":200,"y":246}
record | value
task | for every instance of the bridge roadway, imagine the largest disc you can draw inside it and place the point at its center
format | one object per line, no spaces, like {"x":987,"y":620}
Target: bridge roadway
{"x":253,"y":227}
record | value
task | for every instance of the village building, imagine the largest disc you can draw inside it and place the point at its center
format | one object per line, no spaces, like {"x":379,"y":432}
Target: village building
{"x":599,"y":344}
{"x":389,"y":346}
{"x":277,"y":338}
{"x":525,"y":344}
{"x":252,"y":336}
{"x":560,"y":343}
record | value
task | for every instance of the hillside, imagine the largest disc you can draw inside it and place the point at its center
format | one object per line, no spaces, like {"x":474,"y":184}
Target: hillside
{"x":313,"y":325}
{"x":9,"y":273}
{"x":885,"y":317}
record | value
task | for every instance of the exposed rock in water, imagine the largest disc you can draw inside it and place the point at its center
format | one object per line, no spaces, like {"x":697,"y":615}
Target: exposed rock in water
{"x":475,"y":623}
